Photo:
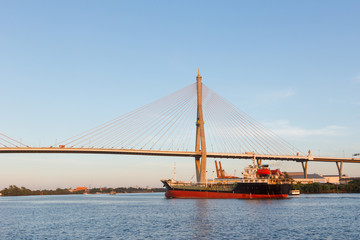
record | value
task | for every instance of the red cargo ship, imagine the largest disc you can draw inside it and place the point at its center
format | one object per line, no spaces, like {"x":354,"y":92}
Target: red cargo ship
{"x":257,"y":182}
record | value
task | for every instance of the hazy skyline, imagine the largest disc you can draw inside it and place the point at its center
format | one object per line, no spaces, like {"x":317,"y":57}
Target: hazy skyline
{"x":67,"y":66}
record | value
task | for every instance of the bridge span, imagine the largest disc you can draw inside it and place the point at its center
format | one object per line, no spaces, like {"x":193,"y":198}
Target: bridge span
{"x":176,"y":154}
{"x":175,"y":125}
{"x":304,"y":160}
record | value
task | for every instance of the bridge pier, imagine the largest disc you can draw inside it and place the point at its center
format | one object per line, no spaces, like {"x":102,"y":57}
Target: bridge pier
{"x":200,"y":145}
{"x":197,"y":168}
{"x":304,"y":165}
{"x":339,"y":167}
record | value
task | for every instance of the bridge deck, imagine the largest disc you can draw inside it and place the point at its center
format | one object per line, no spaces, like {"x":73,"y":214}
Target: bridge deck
{"x":176,"y":154}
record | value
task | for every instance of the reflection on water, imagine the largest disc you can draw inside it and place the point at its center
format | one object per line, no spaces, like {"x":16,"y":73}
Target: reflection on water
{"x":201,"y":225}
{"x":152,"y":216}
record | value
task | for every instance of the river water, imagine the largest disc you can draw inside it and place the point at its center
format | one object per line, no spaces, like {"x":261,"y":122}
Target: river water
{"x":151,"y":216}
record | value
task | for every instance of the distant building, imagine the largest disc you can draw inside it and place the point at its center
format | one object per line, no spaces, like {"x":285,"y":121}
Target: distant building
{"x":335,"y":179}
{"x":318,"y":178}
{"x":79,"y":189}
{"x":311,"y":178}
{"x":331,"y":179}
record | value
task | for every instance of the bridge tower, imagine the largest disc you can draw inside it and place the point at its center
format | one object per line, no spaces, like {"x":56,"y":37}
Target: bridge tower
{"x":200,"y":146}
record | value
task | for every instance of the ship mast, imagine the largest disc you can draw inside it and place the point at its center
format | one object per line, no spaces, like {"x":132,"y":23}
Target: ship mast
{"x":200,"y":146}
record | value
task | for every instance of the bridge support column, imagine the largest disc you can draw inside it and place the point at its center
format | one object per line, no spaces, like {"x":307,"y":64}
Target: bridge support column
{"x":304,"y":166}
{"x":197,"y":168}
{"x":339,"y":167}
{"x":200,"y":146}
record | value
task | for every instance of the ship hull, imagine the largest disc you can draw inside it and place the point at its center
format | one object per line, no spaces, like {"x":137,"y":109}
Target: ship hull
{"x":239,"y":191}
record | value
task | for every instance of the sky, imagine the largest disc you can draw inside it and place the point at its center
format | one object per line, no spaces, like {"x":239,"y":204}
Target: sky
{"x":67,"y":66}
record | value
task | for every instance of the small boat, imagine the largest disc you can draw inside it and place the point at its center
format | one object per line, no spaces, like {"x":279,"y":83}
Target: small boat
{"x":295,"y":192}
{"x":112,"y":193}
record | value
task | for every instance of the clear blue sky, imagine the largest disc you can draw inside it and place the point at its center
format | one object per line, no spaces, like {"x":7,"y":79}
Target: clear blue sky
{"x":66,"y":66}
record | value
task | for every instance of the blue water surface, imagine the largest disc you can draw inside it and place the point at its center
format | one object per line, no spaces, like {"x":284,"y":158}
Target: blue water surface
{"x":152,"y":216}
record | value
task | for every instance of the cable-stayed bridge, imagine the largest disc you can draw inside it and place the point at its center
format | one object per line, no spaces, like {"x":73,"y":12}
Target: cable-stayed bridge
{"x":191,"y":122}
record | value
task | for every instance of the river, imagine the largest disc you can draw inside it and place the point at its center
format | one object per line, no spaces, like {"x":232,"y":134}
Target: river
{"x":151,"y":216}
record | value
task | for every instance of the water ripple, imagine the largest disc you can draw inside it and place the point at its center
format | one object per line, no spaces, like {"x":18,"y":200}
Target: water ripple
{"x":151,"y":216}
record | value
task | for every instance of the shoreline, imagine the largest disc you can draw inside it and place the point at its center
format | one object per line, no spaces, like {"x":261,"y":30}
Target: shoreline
{"x":13,"y":190}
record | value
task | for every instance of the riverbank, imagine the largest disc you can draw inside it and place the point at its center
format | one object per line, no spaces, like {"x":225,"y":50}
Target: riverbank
{"x":13,"y":190}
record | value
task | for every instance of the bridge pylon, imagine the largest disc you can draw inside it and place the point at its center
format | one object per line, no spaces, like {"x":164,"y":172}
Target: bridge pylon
{"x":200,"y":145}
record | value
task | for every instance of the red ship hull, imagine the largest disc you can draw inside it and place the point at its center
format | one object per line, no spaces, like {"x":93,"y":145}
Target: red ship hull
{"x":218,"y":195}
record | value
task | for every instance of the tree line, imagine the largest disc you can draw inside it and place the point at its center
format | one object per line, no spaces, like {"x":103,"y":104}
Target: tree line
{"x":13,"y":190}
{"x":351,"y":187}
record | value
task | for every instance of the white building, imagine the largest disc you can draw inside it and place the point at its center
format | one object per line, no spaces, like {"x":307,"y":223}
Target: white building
{"x":311,"y":178}
{"x":319,"y":178}
{"x":334,"y":179}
